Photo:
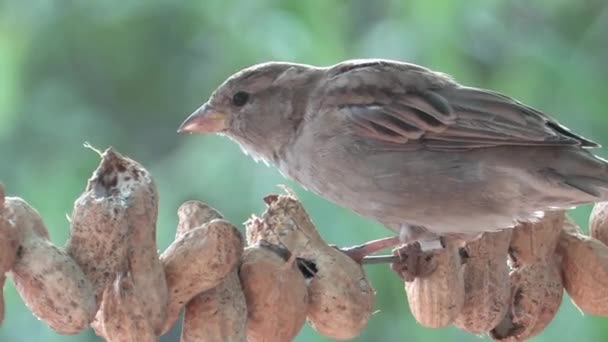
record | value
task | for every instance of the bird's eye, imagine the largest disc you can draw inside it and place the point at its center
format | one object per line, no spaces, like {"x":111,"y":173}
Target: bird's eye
{"x":240,"y":98}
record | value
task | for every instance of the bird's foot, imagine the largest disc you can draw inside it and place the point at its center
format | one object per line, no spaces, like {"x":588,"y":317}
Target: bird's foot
{"x":360,"y":252}
{"x":414,"y":237}
{"x":414,"y":261}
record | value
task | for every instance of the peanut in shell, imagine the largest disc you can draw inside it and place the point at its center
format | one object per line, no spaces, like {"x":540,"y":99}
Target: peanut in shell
{"x":341,"y":297}
{"x":533,"y":242}
{"x":98,"y":235}
{"x":50,"y":282}
{"x":585,"y":271}
{"x":486,"y":279}
{"x":121,"y":315}
{"x":218,"y":314}
{"x":598,"y":222}
{"x":197,"y":261}
{"x":276,"y":295}
{"x":536,"y":294}
{"x":437,"y":299}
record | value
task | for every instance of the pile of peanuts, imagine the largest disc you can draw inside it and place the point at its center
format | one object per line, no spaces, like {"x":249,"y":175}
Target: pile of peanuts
{"x":509,"y":284}
{"x":111,"y":277}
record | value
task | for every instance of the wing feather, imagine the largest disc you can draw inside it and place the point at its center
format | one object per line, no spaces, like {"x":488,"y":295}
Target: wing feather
{"x":442,"y":115}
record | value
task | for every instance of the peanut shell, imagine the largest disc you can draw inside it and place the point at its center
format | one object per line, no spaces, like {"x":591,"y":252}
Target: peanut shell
{"x":536,"y":294}
{"x":536,"y":241}
{"x":197,"y":261}
{"x":437,"y":299}
{"x":122,"y":316}
{"x":98,"y":234}
{"x":194,"y":214}
{"x":341,"y":297}
{"x":9,"y":243}
{"x":219,"y":314}
{"x":598,"y":222}
{"x":585,"y":272}
{"x":276,"y":295}
{"x":50,"y":282}
{"x":486,"y":279}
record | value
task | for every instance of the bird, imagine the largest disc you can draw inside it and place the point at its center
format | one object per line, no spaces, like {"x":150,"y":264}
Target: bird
{"x":405,"y":146}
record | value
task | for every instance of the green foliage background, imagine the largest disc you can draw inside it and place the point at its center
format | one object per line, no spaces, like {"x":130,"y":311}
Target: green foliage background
{"x":125,"y":73}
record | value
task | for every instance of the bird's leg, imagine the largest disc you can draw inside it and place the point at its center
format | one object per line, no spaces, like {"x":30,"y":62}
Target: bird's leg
{"x":358,"y":253}
{"x":416,"y":256}
{"x":424,"y":240}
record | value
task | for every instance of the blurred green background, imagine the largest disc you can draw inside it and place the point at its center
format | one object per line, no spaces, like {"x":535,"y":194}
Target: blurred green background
{"x":126,"y":73}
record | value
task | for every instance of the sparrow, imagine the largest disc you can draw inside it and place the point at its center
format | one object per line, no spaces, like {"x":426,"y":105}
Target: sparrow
{"x":406,"y":146}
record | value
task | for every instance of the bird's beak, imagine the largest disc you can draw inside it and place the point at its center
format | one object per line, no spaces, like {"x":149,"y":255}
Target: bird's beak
{"x":204,"y":120}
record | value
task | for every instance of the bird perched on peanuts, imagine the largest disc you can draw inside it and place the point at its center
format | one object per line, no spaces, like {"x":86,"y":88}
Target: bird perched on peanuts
{"x":406,"y":146}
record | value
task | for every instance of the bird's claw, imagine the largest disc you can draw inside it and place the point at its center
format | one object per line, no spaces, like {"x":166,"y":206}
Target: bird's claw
{"x":414,"y":261}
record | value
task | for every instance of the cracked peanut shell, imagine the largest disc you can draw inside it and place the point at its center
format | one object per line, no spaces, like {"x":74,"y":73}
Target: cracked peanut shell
{"x":276,"y":295}
{"x":341,"y":298}
{"x":536,"y":294}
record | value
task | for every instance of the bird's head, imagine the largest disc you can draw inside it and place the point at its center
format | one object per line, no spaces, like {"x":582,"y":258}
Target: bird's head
{"x":259,"y":107}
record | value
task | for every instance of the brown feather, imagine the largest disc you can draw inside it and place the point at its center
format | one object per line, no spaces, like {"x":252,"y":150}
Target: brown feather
{"x":444,"y":116}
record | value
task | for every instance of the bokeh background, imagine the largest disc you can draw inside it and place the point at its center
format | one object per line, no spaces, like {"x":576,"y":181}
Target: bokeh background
{"x":126,"y":73}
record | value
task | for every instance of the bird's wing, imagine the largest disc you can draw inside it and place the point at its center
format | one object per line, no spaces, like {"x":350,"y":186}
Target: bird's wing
{"x":436,"y":113}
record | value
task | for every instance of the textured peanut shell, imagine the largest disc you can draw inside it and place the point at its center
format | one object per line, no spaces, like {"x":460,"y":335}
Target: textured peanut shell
{"x":486,"y":279}
{"x":341,"y":297}
{"x":99,"y":230}
{"x":276,"y":295}
{"x":50,"y":282}
{"x":284,"y":223}
{"x":197,"y":261}
{"x":585,"y":272}
{"x":146,"y":269}
{"x":9,"y":244}
{"x":598,"y":222}
{"x":534,"y":242}
{"x":98,"y":238}
{"x":437,"y":299}
{"x":122,"y":316}
{"x":219,"y":314}
{"x":536,"y":294}
{"x":119,"y":232}
{"x":53,"y":287}
{"x":194,"y":214}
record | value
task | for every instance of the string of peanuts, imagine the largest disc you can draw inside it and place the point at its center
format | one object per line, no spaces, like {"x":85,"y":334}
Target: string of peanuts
{"x":109,"y":275}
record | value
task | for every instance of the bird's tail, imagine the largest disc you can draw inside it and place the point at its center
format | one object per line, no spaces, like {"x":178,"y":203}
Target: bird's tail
{"x":587,"y":173}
